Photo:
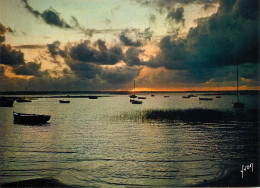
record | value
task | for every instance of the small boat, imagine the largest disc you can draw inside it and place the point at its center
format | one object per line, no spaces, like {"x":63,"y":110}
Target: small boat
{"x":6,"y":102}
{"x":133,"y":96}
{"x":22,"y":118}
{"x":192,"y":95}
{"x":63,"y":101}
{"x":93,"y":97}
{"x":205,"y":99}
{"x":141,"y":97}
{"x":166,"y":96}
{"x":23,"y":100}
{"x":152,"y":95}
{"x":136,"y":102}
{"x":218,"y":96}
{"x":185,"y":97}
{"x":238,"y":105}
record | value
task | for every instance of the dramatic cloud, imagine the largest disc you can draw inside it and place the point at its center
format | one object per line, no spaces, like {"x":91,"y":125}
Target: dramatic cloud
{"x":9,"y":56}
{"x":132,"y":56}
{"x":99,"y":53}
{"x":177,"y":15}
{"x":127,"y":40}
{"x":119,"y":75}
{"x":227,"y":38}
{"x":49,"y":16}
{"x":31,"y":68}
{"x":54,"y":49}
{"x":15,"y":59}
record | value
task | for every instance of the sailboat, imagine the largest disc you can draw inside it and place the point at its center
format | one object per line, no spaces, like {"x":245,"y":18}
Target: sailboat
{"x":133,"y":95}
{"x":238,"y":104}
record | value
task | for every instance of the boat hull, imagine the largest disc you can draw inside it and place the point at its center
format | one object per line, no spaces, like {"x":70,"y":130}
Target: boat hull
{"x":61,"y":101}
{"x":136,"y":102}
{"x":205,"y":99}
{"x":32,"y":119}
{"x":238,"y":105}
{"x":6,"y":102}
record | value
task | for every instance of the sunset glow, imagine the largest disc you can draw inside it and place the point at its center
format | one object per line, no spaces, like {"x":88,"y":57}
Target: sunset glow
{"x":164,"y":45}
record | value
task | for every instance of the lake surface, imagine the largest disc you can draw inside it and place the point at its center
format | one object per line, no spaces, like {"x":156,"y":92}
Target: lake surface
{"x":87,"y":143}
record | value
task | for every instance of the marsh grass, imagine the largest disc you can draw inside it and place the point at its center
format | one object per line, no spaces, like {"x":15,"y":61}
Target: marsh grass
{"x":190,"y":115}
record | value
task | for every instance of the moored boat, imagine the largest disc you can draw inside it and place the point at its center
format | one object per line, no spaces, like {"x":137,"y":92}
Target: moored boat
{"x":6,"y":102}
{"x":23,"y":100}
{"x":136,"y":102}
{"x":93,"y":97}
{"x":63,"y":101}
{"x":141,"y":97}
{"x":185,"y":97}
{"x":166,"y":96}
{"x":205,"y":99}
{"x":22,"y":118}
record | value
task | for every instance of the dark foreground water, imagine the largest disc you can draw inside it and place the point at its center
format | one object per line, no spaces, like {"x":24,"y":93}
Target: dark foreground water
{"x":88,"y":143}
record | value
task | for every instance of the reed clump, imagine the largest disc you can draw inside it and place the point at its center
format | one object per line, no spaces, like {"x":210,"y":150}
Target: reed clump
{"x":191,"y":115}
{"x":201,"y":115}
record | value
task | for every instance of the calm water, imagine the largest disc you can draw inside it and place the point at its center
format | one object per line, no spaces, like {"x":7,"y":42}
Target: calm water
{"x":84,"y":144}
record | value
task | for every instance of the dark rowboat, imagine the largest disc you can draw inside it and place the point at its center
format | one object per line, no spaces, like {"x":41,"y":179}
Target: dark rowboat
{"x":136,"y":102}
{"x":22,"y":118}
{"x":93,"y":97}
{"x":141,"y":97}
{"x":6,"y":102}
{"x":62,"y":101}
{"x":205,"y":99}
{"x":133,"y":96}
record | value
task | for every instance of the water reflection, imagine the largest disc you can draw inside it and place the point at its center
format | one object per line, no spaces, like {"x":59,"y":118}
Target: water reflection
{"x":81,"y":146}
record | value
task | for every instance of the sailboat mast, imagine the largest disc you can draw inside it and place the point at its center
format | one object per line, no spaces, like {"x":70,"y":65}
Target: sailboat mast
{"x":134,"y":85}
{"x":237,"y":82}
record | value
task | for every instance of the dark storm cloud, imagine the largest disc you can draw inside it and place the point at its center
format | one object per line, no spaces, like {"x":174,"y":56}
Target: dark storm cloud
{"x":226,"y":38}
{"x":132,"y":56}
{"x":30,"y":68}
{"x":84,"y":70}
{"x":9,"y":56}
{"x":169,"y":7}
{"x":119,"y":75}
{"x":177,"y":15}
{"x":49,"y":16}
{"x":2,"y":70}
{"x":2,"y":32}
{"x":127,"y":40}
{"x":15,"y":59}
{"x":54,"y":49}
{"x":86,"y":52}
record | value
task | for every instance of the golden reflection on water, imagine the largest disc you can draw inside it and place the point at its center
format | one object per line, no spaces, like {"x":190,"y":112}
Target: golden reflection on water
{"x":82,"y":146}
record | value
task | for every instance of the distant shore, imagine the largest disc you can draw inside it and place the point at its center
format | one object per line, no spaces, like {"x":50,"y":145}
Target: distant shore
{"x":242,"y":92}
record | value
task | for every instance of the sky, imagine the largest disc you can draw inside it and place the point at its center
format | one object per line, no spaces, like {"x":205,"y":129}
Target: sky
{"x":164,"y":45}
